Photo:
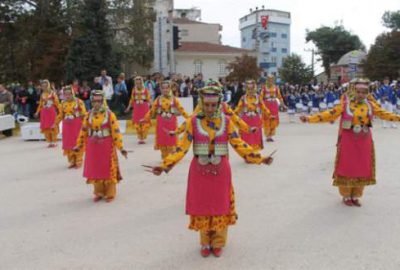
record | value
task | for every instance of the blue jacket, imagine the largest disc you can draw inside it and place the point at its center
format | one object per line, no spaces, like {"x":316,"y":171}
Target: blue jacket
{"x":291,"y":101}
{"x":386,"y":92}
{"x":305,"y":99}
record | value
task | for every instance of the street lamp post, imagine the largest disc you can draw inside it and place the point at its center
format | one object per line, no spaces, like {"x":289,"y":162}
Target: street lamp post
{"x":312,"y":59}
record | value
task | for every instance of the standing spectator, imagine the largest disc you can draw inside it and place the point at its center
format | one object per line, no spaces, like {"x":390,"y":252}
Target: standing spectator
{"x":96,"y":84}
{"x":387,"y":99}
{"x":32,"y":98}
{"x":150,"y":84}
{"x":108,"y":92}
{"x":197,"y":85}
{"x":75,"y":87}
{"x":121,"y":94}
{"x":6,"y":103}
{"x":22,"y":101}
{"x":84,"y":93}
{"x":6,"y":99}
{"x":104,"y":77}
{"x":182,"y":88}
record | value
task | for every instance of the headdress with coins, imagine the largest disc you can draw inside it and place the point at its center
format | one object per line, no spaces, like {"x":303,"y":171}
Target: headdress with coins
{"x":210,"y":94}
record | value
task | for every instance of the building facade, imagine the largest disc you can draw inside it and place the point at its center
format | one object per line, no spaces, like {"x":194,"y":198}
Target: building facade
{"x":209,"y":59}
{"x":272,"y":43}
{"x":196,"y":31}
{"x":163,"y":49}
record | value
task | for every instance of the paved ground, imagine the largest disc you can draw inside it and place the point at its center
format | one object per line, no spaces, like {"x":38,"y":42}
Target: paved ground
{"x":290,"y":217}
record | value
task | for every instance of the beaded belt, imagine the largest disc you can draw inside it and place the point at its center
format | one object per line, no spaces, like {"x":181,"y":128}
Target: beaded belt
{"x":100,"y":133}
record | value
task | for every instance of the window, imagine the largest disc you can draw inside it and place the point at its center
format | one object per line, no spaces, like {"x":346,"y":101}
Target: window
{"x":184,"y":33}
{"x":273,"y":59}
{"x":284,"y":50}
{"x":273,"y":49}
{"x":222,"y":67}
{"x":272,"y":34}
{"x":244,"y":39}
{"x":198,"y":65}
{"x":283,"y":35}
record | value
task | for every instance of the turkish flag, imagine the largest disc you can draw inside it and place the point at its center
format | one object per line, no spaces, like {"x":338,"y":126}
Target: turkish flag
{"x":264,"y":21}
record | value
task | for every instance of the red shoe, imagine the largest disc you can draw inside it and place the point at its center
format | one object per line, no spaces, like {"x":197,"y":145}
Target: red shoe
{"x":71,"y":166}
{"x":142,"y":142}
{"x":270,"y":140}
{"x":356,"y":202}
{"x":348,"y":201}
{"x":97,"y":198}
{"x":217,"y":252}
{"x":205,"y":251}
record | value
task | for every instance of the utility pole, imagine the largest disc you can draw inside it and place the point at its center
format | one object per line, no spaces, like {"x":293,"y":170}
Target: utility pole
{"x":312,"y":59}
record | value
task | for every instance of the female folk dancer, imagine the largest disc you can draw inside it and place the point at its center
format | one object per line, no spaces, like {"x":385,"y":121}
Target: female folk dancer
{"x":100,"y":135}
{"x":355,"y":157}
{"x":48,"y":109}
{"x":210,"y":199}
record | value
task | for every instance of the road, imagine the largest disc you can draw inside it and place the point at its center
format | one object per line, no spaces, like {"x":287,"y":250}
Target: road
{"x":290,"y":216}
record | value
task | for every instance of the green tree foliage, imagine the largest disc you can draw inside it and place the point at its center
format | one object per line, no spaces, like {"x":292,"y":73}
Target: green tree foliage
{"x":243,"y":68}
{"x":294,"y":70}
{"x":383,"y":58}
{"x":333,"y":43}
{"x":34,"y":39}
{"x":91,"y":50}
{"x":392,"y":20}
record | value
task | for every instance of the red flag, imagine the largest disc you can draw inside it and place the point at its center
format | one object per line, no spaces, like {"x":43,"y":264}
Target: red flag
{"x":264,"y":21}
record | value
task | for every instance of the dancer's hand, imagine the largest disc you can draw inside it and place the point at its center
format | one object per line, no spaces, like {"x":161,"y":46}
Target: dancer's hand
{"x":253,"y":129}
{"x":157,"y":171}
{"x":75,"y":149}
{"x":36,"y":115}
{"x":172,"y":133}
{"x":124,"y":153}
{"x":303,"y":118}
{"x":268,"y":160}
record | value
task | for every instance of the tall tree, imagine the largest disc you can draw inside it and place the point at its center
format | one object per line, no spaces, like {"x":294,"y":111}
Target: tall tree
{"x":33,"y":39}
{"x":383,"y":58}
{"x":294,"y":70}
{"x":333,"y":43}
{"x":243,"y":68}
{"x":392,"y":20}
{"x":91,"y":50}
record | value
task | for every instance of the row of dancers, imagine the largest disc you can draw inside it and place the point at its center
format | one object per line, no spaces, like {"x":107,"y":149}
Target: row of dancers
{"x":210,"y":200}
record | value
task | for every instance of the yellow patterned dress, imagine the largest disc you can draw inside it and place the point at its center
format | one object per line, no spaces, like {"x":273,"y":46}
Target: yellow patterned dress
{"x":48,"y":109}
{"x":271,"y":97}
{"x":355,"y":157}
{"x":105,"y":122}
{"x":212,"y":228}
{"x":253,"y":111}
{"x":140,"y":102}
{"x":165,"y":109}
{"x":71,"y":114}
